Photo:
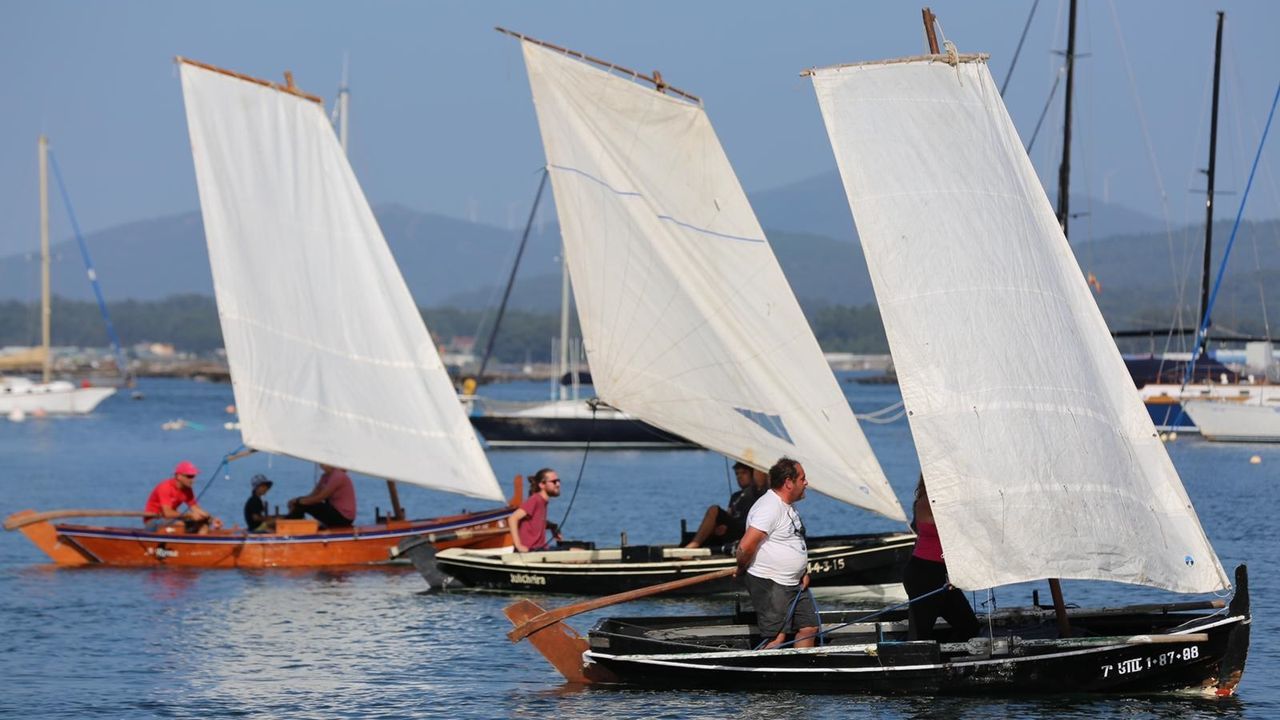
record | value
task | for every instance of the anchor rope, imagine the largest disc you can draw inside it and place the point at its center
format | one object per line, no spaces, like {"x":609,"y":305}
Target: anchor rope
{"x":577,"y":484}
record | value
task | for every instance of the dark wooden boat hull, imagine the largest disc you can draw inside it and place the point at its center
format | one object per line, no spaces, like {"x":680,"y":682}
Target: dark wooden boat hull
{"x":872,"y":561}
{"x":513,"y":431}
{"x":1140,"y":649}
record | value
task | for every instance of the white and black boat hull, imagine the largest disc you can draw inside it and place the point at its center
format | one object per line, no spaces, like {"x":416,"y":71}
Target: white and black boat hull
{"x":861,"y":566}
{"x":1135,"y":649}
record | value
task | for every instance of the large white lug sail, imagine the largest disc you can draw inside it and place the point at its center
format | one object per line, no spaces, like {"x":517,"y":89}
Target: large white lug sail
{"x":1040,"y":459}
{"x":687,"y":319}
{"x":329,"y":356}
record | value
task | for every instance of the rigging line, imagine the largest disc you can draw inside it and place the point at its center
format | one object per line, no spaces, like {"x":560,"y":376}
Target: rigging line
{"x":1045,"y":110}
{"x":1233,"y":79}
{"x":1018,"y":51}
{"x":121,"y":364}
{"x":577,"y":484}
{"x":225,"y":459}
{"x":511,"y":280}
{"x":1146,"y":133}
{"x":1235,"y":228}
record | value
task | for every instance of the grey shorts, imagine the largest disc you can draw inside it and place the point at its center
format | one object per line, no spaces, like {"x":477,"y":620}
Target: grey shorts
{"x":772,"y":601}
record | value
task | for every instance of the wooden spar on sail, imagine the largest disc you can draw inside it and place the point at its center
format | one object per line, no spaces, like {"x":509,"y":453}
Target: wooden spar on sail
{"x":288,"y":87}
{"x":930,"y":34}
{"x":656,"y":79}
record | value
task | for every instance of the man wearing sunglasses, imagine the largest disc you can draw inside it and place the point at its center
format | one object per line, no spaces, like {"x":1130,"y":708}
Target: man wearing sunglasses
{"x":773,"y":559}
{"x":528,"y":524}
{"x":172,"y":493}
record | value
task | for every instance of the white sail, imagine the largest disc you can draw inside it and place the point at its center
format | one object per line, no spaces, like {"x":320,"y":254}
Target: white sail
{"x":329,"y":356}
{"x":687,"y":319}
{"x":1040,"y":459}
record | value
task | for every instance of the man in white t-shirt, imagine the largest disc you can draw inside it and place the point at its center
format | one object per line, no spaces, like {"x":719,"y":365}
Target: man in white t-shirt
{"x":773,"y":559}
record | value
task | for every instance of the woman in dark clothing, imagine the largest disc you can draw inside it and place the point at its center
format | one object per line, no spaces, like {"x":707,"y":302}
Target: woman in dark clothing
{"x":926,"y":572}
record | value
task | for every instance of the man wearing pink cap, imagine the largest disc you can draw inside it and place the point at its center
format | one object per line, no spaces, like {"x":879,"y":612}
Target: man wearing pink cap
{"x":173,"y":492}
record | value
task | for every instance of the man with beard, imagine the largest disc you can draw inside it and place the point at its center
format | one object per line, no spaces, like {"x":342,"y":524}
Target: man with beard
{"x":528,"y":523}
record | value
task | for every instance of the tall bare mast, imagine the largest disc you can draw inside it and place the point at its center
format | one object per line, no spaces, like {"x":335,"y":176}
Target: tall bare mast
{"x":1213,"y":156}
{"x":1064,"y":170}
{"x":46,"y":309}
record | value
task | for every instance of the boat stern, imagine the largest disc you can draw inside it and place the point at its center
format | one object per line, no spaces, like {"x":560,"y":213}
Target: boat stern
{"x":1231,"y":668}
{"x":45,"y":537}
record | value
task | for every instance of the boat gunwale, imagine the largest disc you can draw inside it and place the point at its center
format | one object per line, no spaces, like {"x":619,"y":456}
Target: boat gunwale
{"x":351,"y":534}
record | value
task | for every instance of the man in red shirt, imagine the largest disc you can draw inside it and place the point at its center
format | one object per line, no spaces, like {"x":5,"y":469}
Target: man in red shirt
{"x":332,"y":501}
{"x":170,"y":494}
{"x":529,"y":522}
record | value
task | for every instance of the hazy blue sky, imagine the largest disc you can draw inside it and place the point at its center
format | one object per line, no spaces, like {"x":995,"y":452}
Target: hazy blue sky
{"x":442,"y":119}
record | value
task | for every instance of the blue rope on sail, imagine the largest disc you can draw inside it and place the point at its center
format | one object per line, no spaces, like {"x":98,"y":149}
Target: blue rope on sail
{"x":121,"y":363}
{"x":1222,"y":268}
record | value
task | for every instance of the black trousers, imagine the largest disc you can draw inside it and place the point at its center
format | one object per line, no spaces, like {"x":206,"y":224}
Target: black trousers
{"x":327,"y":514}
{"x":923,"y":577}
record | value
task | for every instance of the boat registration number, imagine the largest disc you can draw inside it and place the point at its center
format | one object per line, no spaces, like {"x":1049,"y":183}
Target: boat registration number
{"x":1140,"y":664}
{"x":825,"y":566}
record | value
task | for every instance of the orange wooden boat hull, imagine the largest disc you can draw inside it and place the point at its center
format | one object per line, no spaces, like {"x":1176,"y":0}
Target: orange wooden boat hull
{"x":296,"y":544}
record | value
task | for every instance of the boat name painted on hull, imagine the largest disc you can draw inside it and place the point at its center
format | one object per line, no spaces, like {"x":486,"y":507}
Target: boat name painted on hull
{"x":825,"y":566}
{"x":527,"y":579}
{"x":1137,"y":665}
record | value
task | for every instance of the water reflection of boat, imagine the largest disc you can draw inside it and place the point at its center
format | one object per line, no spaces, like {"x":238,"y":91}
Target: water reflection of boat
{"x":331,"y":360}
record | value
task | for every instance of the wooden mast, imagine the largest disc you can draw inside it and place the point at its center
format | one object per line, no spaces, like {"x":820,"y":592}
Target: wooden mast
{"x":1208,"y":201}
{"x":930,"y":33}
{"x":46,"y":309}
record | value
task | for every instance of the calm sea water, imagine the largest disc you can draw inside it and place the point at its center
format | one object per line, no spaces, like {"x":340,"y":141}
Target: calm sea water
{"x":168,"y":643}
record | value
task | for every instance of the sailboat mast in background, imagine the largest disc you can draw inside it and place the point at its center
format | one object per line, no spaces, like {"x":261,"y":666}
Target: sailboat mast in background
{"x":1209,"y":172}
{"x":46,"y":309}
{"x":1064,"y":170}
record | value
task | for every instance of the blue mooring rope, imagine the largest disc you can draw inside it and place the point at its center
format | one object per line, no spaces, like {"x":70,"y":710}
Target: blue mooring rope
{"x":225,"y":459}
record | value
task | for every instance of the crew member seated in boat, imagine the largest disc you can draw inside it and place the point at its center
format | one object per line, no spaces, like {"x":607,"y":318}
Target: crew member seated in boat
{"x":332,"y":501}
{"x":528,"y":524}
{"x":721,"y":526}
{"x":255,"y":508}
{"x":925,"y":573}
{"x":170,"y":494}
{"x":773,"y":559}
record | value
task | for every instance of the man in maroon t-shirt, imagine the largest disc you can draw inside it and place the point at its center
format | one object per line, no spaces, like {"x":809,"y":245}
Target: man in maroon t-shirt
{"x":529,"y":522}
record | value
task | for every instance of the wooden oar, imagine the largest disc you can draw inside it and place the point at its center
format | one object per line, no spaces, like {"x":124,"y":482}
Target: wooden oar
{"x":551,"y":617}
{"x":22,"y":519}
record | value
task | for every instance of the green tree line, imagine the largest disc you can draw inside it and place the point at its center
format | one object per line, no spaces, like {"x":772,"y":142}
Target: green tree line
{"x":190,"y":323}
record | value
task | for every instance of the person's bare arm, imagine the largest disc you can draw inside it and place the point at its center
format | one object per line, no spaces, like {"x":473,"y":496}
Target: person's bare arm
{"x":747,"y":548}
{"x":513,"y":525}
